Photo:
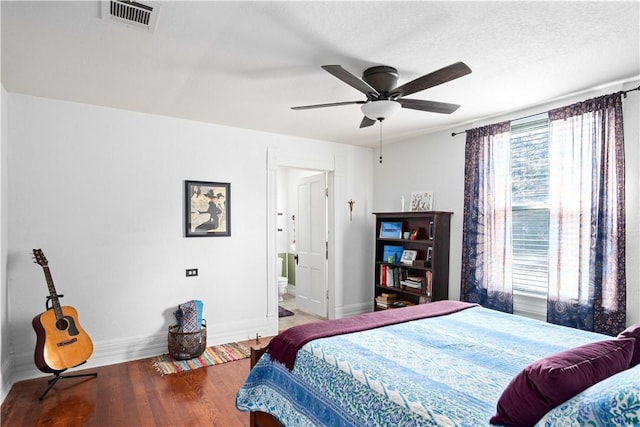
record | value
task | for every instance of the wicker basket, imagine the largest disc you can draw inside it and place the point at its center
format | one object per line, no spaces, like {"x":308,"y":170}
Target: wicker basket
{"x":187,"y":345}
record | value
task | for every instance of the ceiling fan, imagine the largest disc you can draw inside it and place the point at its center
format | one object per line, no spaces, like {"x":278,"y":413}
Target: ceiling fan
{"x":384,"y":98}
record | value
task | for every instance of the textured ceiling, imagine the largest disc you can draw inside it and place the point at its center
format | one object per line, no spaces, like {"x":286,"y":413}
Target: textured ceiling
{"x":244,"y":64}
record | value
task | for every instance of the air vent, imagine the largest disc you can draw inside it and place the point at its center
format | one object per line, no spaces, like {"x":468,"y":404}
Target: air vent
{"x":141,"y":15}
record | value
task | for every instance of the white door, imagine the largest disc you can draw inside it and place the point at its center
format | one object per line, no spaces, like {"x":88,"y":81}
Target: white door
{"x":311,"y":271}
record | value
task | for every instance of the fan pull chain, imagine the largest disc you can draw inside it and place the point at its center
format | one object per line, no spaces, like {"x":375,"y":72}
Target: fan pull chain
{"x":380,"y":120}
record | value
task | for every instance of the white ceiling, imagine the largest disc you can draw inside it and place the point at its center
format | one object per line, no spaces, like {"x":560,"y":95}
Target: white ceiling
{"x":244,"y":64}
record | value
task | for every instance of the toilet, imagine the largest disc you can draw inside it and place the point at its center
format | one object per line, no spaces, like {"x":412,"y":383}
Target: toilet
{"x":282,"y":282}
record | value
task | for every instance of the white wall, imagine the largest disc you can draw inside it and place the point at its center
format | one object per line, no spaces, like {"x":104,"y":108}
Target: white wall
{"x":101,"y":192}
{"x":436,"y":162}
{"x":4,"y":336}
{"x":631,"y":107}
{"x":5,"y":359}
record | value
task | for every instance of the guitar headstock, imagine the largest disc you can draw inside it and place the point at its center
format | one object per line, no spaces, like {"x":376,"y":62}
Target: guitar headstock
{"x":39,"y":257}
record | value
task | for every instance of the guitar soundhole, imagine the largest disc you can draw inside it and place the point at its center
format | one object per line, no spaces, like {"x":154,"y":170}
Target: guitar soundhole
{"x":62,"y":324}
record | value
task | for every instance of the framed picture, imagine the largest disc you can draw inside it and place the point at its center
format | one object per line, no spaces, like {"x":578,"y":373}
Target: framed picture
{"x":414,"y":234}
{"x":422,"y":200}
{"x":408,"y":256}
{"x":207,"y":208}
{"x":391,"y":230}
{"x":429,"y":256}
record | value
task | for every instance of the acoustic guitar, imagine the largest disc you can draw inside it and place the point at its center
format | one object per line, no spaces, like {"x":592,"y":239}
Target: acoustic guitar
{"x":61,"y":342}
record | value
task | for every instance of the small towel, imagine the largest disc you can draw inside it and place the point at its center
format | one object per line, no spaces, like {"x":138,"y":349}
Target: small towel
{"x":189,"y":316}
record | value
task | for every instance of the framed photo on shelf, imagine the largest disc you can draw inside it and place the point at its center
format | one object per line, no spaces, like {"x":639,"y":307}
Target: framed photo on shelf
{"x":429,"y":255}
{"x":207,"y":209}
{"x":422,"y":200}
{"x":414,"y":234}
{"x":391,"y":230}
{"x":408,"y":256}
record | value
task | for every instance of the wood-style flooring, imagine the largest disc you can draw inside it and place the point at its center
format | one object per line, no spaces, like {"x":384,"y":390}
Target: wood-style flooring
{"x":134,"y":394}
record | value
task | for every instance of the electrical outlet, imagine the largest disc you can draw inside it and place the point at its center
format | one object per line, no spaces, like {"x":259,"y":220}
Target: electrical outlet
{"x":191,"y":272}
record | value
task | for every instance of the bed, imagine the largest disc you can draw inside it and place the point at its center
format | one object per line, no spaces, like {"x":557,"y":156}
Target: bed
{"x":443,"y":363}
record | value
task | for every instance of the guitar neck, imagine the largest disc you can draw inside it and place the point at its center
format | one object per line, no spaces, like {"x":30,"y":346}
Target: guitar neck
{"x":52,"y":292}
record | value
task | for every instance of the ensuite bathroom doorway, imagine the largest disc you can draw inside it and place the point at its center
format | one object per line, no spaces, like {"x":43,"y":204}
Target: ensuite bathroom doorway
{"x":301,"y":235}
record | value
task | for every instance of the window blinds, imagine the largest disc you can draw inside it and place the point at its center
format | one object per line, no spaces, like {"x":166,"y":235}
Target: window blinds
{"x":530,"y":213}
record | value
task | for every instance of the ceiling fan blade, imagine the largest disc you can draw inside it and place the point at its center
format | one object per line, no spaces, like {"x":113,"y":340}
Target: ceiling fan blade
{"x":366,"y":122}
{"x":443,"y":75}
{"x":431,"y":106}
{"x":333,"y":104}
{"x":350,"y":79}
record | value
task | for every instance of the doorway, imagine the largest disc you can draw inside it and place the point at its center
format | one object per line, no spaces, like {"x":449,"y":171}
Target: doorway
{"x":278,"y":158}
{"x":301,"y":244}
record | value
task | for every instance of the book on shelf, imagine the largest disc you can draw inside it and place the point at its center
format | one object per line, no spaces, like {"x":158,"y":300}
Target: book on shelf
{"x":390,"y":277}
{"x":414,"y":282}
{"x":393,"y":276}
{"x":394,"y":304}
{"x":411,"y":284}
{"x":392,"y":254}
{"x":402,"y":303}
{"x":417,"y":291}
{"x":386,"y":298}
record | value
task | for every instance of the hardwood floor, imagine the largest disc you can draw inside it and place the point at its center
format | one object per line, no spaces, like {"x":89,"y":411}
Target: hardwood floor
{"x":134,"y":394}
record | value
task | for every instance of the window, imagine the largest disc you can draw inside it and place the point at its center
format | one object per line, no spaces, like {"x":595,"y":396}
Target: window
{"x":529,"y":204}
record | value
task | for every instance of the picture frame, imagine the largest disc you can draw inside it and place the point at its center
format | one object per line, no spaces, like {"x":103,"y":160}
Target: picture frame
{"x":207,"y":209}
{"x":408,"y":256}
{"x":429,"y":258}
{"x":414,"y":234}
{"x":422,"y":201}
{"x":391,"y":230}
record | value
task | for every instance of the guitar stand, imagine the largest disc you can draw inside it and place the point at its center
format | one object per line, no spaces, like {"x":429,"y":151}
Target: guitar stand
{"x":58,"y":376}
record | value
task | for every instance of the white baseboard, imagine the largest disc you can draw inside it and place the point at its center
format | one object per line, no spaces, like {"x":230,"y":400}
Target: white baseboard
{"x":109,"y":352}
{"x":6,"y":382}
{"x":353,"y":309}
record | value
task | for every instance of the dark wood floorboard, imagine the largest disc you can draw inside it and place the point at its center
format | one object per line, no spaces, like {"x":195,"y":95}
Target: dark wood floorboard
{"x":132,"y":394}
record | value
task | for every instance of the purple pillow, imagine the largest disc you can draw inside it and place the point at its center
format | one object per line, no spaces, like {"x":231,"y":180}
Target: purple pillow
{"x":633,"y":331}
{"x":549,"y":381}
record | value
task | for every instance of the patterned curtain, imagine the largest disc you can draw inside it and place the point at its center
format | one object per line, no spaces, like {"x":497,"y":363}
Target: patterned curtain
{"x":587,"y":284}
{"x":486,"y":247}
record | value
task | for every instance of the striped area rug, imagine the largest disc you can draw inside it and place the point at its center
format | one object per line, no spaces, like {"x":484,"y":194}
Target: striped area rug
{"x":214,"y":355}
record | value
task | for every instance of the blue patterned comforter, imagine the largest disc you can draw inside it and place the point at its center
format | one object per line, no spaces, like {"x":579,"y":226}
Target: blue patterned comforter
{"x":447,"y":370}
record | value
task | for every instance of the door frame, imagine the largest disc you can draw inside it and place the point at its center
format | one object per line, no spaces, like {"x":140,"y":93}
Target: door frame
{"x":321,"y":163}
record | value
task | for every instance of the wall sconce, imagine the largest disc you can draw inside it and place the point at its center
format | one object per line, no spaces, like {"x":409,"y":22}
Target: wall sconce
{"x":351,"y":202}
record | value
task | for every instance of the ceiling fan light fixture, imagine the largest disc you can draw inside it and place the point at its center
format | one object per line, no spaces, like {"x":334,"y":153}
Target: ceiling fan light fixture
{"x":381,"y":109}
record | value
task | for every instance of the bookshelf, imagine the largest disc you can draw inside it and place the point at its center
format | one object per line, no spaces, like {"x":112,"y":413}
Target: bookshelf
{"x":412,"y":258}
